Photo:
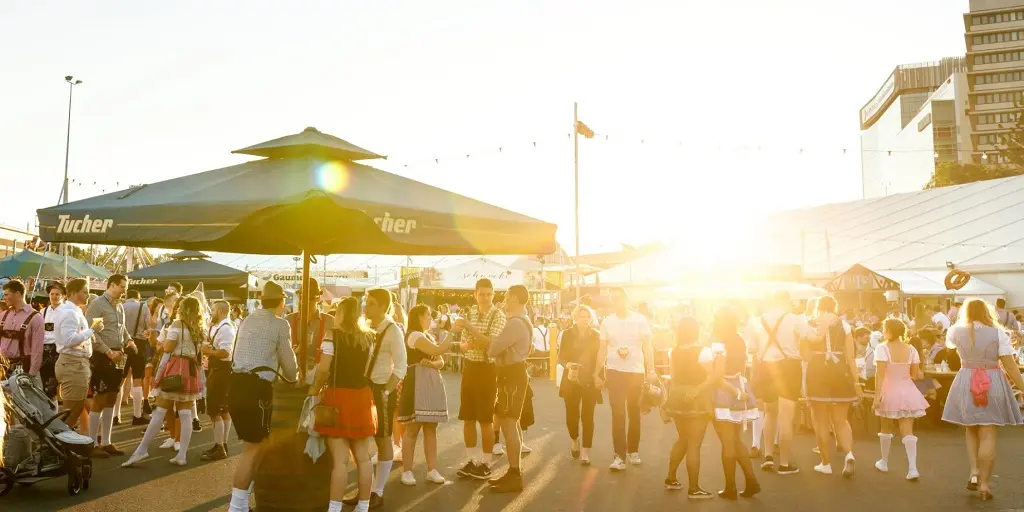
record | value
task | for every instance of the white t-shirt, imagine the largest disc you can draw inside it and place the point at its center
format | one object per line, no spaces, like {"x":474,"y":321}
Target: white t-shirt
{"x":792,"y":329}
{"x":624,"y":337}
{"x":1005,"y":347}
{"x":413,"y":336}
{"x":941,"y":319}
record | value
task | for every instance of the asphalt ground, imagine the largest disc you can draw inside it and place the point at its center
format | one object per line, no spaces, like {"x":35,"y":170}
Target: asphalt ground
{"x":555,"y":482}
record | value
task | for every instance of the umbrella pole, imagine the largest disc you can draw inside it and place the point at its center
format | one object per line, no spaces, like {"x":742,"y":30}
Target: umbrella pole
{"x":303,"y":318}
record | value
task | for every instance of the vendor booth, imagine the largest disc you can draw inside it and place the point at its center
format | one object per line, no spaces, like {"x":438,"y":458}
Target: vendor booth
{"x":873,"y":290}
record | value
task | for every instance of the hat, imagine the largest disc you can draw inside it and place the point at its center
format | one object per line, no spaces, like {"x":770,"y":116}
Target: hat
{"x":272,"y":290}
{"x":314,"y":289}
{"x":56,"y":285}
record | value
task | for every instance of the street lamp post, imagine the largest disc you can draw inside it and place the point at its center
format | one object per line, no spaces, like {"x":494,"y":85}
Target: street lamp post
{"x":67,"y":153}
{"x":67,"y":145}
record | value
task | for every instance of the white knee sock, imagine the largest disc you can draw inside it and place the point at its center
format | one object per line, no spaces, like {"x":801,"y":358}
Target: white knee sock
{"x":227,"y":430}
{"x":334,"y":506}
{"x":362,"y":506}
{"x":107,"y":424}
{"x":137,"y":402}
{"x":885,"y":441}
{"x":155,"y":422}
{"x":195,"y":410}
{"x":239,"y":500}
{"x":910,"y":444}
{"x":218,"y":431}
{"x":186,"y":432}
{"x":117,"y":406}
{"x":94,"y":425}
{"x":758,"y":428}
{"x":383,"y":470}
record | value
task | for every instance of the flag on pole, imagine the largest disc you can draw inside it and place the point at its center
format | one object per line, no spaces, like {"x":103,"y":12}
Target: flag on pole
{"x":584,"y":130}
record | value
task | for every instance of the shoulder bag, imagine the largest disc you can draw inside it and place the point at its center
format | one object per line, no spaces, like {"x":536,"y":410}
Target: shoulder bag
{"x":327,"y":415}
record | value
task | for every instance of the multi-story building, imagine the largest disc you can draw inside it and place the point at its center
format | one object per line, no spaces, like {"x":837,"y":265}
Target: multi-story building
{"x":994,"y":33}
{"x":917,"y":119}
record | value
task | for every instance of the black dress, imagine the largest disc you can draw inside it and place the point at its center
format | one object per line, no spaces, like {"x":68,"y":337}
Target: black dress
{"x":687,"y":374}
{"x":581,"y":350}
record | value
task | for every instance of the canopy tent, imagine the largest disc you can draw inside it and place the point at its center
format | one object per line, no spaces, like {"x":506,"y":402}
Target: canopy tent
{"x":191,"y":268}
{"x":917,"y":283}
{"x":464,"y":275}
{"x":309,"y":196}
{"x":48,"y":265}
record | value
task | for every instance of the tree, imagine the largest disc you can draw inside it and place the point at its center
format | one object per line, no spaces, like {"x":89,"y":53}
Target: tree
{"x":954,"y":173}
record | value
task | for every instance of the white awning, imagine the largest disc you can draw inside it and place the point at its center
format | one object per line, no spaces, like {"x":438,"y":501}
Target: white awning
{"x":932,"y":282}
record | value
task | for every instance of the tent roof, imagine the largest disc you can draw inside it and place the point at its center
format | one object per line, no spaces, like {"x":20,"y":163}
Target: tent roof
{"x":181,"y":255}
{"x":932,"y":282}
{"x":191,"y":269}
{"x":973,"y":225}
{"x":309,"y":142}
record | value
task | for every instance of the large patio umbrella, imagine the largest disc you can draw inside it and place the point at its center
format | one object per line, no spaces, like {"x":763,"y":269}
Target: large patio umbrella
{"x":307,"y":195}
{"x":191,"y":268}
{"x":31,"y":264}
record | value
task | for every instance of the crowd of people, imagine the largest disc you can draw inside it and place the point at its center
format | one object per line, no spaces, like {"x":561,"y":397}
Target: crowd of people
{"x":375,"y":383}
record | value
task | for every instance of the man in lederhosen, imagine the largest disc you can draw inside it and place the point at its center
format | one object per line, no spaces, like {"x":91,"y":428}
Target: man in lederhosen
{"x":21,"y":334}
{"x":221,"y":341}
{"x":47,"y":372}
{"x":108,"y":362}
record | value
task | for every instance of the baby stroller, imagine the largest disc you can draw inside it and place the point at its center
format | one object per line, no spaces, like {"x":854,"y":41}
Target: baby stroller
{"x":42,"y":446}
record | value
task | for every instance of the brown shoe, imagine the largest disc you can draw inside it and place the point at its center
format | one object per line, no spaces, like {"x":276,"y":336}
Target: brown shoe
{"x":99,"y":453}
{"x":112,"y":450}
{"x":215,"y":453}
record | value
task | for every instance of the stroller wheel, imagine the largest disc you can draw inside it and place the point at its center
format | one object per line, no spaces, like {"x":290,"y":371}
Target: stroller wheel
{"x":75,"y":481}
{"x":6,"y":481}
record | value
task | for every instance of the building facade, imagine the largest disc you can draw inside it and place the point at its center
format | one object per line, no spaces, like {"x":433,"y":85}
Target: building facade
{"x":917,"y":119}
{"x":994,"y":33}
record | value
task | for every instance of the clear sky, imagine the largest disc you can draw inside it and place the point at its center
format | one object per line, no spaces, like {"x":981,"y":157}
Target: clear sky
{"x":724,"y":95}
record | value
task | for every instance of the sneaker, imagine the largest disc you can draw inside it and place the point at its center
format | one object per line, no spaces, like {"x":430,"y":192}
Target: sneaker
{"x":850,"y":466}
{"x":913,"y":475}
{"x":215,"y":453}
{"x":728,"y":494}
{"x":480,"y":472}
{"x":134,"y":459}
{"x":698,"y":494}
{"x":673,"y":485}
{"x":178,"y":461}
{"x":408,"y":478}
{"x":196,"y":426}
{"x":511,"y":481}
{"x":768,"y":464}
{"x":435,"y":477}
{"x":167,"y":444}
{"x":467,"y":469}
{"x":825,"y":469}
{"x":755,"y":453}
{"x":788,"y":470}
{"x":634,"y":459}
{"x":498,"y":450}
{"x":882,"y":466}
{"x":140,"y":421}
{"x":585,"y":456}
{"x":526,"y":449}
{"x":99,"y":453}
{"x":617,"y":464}
{"x":751,"y":490}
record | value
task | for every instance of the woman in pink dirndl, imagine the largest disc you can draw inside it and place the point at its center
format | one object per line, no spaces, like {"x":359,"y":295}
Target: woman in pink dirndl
{"x":896,"y":397}
{"x":179,"y":385}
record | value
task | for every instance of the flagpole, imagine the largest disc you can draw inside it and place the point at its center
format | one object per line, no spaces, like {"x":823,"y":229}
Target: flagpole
{"x":576,"y":191}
